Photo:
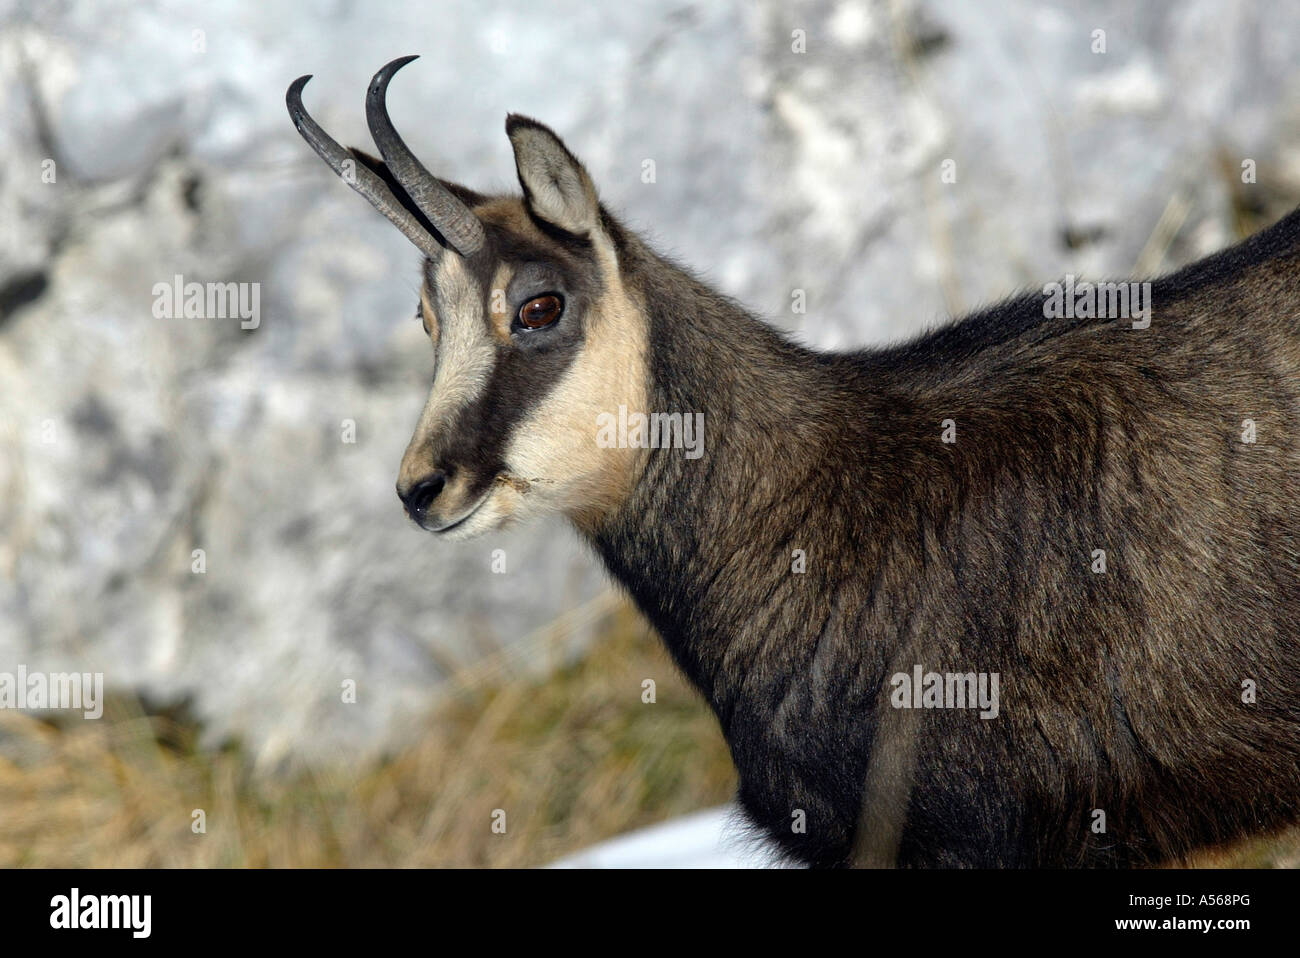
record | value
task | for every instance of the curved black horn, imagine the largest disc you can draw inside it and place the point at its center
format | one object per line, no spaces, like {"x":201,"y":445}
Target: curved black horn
{"x":453,"y":219}
{"x":355,"y":173}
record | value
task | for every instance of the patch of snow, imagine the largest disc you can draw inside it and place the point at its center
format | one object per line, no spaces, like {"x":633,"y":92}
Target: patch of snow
{"x":713,"y":838}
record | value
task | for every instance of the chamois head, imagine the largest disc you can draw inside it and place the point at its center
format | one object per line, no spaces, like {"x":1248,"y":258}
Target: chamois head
{"x":533,"y":331}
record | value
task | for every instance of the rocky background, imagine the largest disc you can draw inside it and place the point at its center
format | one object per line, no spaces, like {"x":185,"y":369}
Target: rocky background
{"x":896,"y":162}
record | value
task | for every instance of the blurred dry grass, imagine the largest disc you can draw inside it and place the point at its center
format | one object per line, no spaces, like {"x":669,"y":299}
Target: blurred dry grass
{"x":1275,"y":851}
{"x":572,"y":758}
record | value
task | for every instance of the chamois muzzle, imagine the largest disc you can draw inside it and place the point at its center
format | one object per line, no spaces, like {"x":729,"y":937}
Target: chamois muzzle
{"x":455,"y":224}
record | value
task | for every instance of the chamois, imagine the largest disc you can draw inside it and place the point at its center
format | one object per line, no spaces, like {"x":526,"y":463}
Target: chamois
{"x":1081,"y":535}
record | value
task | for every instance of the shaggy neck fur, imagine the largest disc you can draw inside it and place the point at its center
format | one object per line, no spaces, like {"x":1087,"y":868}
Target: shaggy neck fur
{"x":708,"y":548}
{"x":675,"y":544}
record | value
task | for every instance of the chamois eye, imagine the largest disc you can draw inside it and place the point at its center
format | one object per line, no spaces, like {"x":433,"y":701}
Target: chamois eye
{"x":540,"y":311}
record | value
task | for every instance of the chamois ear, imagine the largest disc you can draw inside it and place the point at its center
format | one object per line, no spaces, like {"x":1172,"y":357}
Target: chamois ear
{"x":556,"y":187}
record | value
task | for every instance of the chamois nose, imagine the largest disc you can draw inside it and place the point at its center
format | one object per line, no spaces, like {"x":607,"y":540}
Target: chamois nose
{"x":420,"y":496}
